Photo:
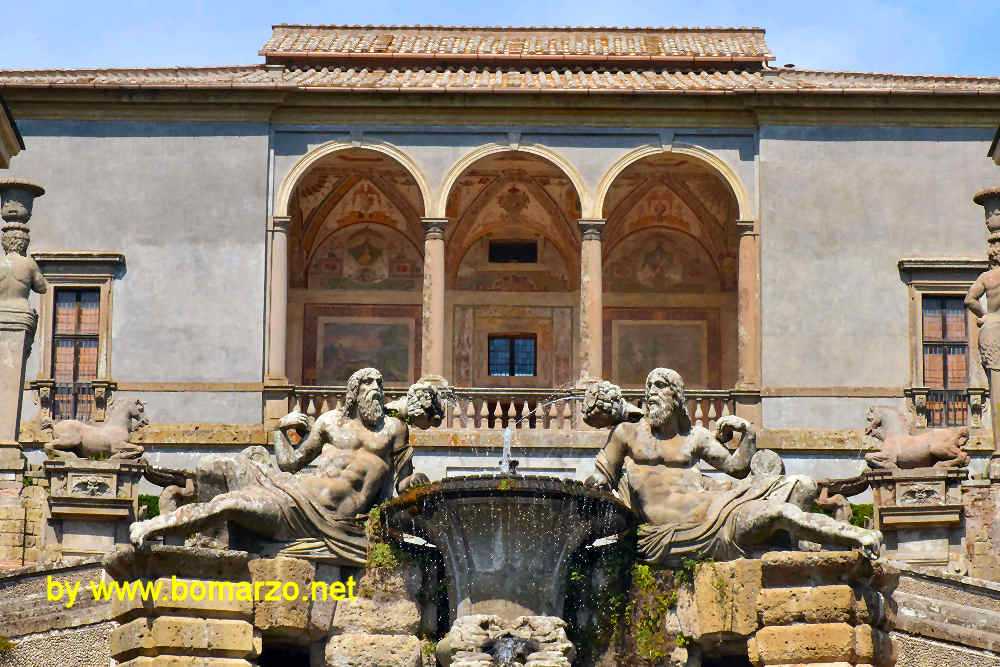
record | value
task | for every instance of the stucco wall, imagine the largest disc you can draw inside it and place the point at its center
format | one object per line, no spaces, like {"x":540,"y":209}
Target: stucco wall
{"x":186,"y":204}
{"x":839,"y":207}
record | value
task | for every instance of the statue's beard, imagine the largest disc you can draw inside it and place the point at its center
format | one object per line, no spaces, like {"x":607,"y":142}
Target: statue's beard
{"x":660,"y":407}
{"x":370,"y":408}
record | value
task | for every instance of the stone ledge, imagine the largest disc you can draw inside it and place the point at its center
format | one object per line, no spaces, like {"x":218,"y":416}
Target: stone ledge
{"x":364,"y":650}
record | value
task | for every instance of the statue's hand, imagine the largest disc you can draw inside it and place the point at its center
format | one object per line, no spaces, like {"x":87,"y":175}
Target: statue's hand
{"x":416,"y":479}
{"x":596,"y":480}
{"x":296,"y":421}
{"x":729,"y":424}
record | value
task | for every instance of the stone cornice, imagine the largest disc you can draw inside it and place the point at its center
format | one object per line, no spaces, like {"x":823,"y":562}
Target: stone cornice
{"x":917,"y":264}
{"x":79,"y":261}
{"x":691,"y":109}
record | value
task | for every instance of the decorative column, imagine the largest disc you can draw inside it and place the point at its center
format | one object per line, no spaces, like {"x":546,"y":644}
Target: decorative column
{"x":433,"y":338}
{"x":747,"y":393}
{"x":276,"y":375}
{"x":19,"y":276}
{"x":591,"y":301}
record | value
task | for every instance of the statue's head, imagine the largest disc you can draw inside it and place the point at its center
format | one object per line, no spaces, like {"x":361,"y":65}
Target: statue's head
{"x":364,"y":396}
{"x":665,"y":398}
{"x":15,"y":241}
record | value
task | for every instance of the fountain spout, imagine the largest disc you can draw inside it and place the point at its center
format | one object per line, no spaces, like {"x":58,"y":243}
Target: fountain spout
{"x":508,"y":466}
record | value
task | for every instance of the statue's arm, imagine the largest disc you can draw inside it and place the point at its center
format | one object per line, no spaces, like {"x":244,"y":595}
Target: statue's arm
{"x":737,"y":463}
{"x":38,"y":282}
{"x":292,"y":459}
{"x":972,"y":298}
{"x":402,"y":462}
{"x":609,"y":462}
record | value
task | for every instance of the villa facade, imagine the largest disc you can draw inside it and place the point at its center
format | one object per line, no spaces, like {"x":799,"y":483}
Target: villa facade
{"x":517,"y":211}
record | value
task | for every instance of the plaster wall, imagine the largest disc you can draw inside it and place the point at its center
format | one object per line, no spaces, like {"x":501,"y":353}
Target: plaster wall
{"x":186,"y":204}
{"x":839,"y":207}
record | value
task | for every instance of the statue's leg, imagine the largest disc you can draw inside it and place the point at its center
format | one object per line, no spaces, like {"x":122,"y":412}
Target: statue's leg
{"x":57,"y":449}
{"x":127,"y":450}
{"x":258,"y":513}
{"x":756,"y":521}
{"x":994,"y":381}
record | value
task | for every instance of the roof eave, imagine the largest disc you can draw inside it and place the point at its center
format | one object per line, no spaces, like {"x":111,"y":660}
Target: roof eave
{"x":333,"y":59}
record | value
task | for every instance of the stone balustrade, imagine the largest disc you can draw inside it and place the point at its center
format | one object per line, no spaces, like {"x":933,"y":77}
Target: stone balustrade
{"x":494,"y":409}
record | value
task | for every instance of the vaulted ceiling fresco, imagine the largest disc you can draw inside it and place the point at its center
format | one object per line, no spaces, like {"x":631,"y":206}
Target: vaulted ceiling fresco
{"x":671,"y":224}
{"x":513,"y":196}
{"x":351,"y":188}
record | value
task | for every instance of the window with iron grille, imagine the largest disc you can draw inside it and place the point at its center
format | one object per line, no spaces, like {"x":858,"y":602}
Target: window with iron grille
{"x":75,"y":334}
{"x":946,"y":360}
{"x":512,"y":355}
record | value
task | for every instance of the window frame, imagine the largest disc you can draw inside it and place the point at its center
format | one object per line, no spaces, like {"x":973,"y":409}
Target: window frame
{"x":76,"y":270}
{"x":512,"y":337}
{"x":941,"y":277}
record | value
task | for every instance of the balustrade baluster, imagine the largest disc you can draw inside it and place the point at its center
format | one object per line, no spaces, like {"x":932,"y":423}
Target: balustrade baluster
{"x":295,"y":403}
{"x":566,"y":423}
{"x":483,"y":415}
{"x":497,"y":420}
{"x":468,"y":413}
{"x":550,"y":415}
{"x":698,"y":414}
{"x":712,"y":415}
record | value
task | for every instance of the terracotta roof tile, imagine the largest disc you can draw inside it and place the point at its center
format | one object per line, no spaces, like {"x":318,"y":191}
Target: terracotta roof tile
{"x":450,"y":43}
{"x":472,"y":77}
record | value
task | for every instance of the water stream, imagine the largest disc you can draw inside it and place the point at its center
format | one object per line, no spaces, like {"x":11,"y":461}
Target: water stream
{"x":508,"y":465}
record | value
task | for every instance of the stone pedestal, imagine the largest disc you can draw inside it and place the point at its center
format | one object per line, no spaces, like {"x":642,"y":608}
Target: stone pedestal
{"x":821,"y":608}
{"x":919,"y":512}
{"x":17,"y":331}
{"x":176,"y":629}
{"x":92,"y":503}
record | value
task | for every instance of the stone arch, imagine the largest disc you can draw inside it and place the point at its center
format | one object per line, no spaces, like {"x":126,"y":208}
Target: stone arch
{"x":557,"y":159}
{"x":294,"y":176}
{"x":712,"y":160}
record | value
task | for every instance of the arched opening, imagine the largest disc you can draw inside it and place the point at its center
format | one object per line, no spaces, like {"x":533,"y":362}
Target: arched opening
{"x":670,"y":255}
{"x":512,"y":272}
{"x":355,"y":269}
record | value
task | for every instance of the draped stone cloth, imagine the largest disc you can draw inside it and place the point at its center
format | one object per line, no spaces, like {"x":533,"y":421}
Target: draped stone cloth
{"x":714,"y":537}
{"x":314,"y":532}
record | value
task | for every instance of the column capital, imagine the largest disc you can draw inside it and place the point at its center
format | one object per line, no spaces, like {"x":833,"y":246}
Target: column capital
{"x":747,"y":228}
{"x":591,"y":229}
{"x":434,"y":227}
{"x":281,"y":223}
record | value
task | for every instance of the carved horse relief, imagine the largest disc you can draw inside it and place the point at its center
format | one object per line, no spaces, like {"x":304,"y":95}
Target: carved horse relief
{"x":72,"y":438}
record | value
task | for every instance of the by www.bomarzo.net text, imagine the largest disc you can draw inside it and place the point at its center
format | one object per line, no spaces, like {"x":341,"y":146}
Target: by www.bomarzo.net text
{"x":178,"y":590}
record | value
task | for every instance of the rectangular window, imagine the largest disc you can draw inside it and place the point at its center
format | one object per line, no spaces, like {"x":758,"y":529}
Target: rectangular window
{"x":946,"y":360}
{"x":75,"y":334}
{"x":512,"y":355}
{"x":519,"y":252}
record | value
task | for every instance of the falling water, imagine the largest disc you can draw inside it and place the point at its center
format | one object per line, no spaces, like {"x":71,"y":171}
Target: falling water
{"x":508,"y":466}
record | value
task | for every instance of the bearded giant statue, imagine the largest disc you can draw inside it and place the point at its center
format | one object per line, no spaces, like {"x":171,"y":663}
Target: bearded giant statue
{"x":360,"y":454}
{"x":651,"y":460}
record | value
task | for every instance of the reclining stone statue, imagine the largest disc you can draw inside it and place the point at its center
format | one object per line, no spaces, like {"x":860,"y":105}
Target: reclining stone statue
{"x":653,"y":465}
{"x":109,"y":439}
{"x":360,"y":455}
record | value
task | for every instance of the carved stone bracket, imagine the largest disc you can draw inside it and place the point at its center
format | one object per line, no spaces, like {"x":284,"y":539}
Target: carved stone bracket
{"x":977,"y":405}
{"x":916,"y":400}
{"x":102,"y":396}
{"x":44,"y":389}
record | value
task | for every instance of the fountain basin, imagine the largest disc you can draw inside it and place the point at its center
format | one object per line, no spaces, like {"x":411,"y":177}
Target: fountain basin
{"x":506,"y":540}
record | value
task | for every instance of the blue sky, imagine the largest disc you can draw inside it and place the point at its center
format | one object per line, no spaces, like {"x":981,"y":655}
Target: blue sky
{"x":926,"y":37}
